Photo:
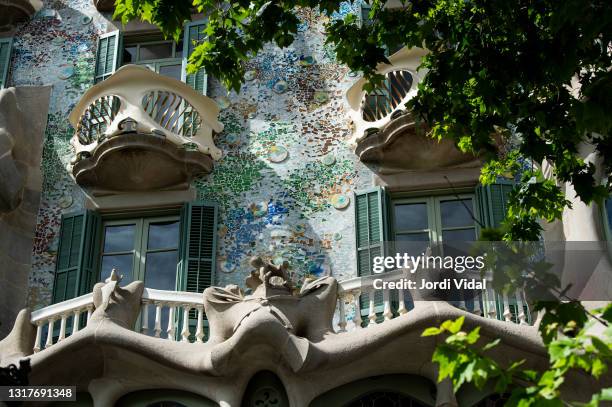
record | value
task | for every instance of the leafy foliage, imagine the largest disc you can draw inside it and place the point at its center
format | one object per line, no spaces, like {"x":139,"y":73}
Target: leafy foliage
{"x":520,"y":82}
{"x":460,"y":359}
{"x":533,"y":71}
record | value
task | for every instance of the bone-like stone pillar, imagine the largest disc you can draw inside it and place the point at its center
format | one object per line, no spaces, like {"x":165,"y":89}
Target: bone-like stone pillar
{"x":23,"y":119}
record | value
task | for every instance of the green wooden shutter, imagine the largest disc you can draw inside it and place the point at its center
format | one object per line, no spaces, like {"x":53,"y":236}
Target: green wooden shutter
{"x":198,"y":246}
{"x":370,"y":218}
{"x":76,"y":255}
{"x":492,"y":202}
{"x":6,"y":45}
{"x":108,"y":55}
{"x":193,"y":34}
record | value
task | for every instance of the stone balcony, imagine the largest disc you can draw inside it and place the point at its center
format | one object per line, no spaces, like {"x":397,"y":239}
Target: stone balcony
{"x":160,"y":314}
{"x":120,"y":339}
{"x":14,"y":12}
{"x":387,"y":137}
{"x":141,"y":131}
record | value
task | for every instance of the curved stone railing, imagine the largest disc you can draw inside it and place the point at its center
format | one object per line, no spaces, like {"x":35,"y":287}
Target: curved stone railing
{"x":179,"y":305}
{"x":162,"y":314}
{"x":367,"y":310}
{"x":72,"y":315}
{"x":141,"y":131}
{"x":350,"y":292}
{"x":180,"y":315}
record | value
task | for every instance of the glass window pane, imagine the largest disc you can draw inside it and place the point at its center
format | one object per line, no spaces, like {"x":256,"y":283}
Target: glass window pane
{"x":163,"y":235}
{"x":160,"y":270}
{"x":414,"y":243}
{"x":410,"y":216}
{"x":457,"y":243}
{"x":171,"y":71}
{"x":119,"y":238}
{"x":121,"y":262}
{"x":129,"y":55}
{"x":454,"y":213}
{"x":155,"y":51}
{"x":461,"y":235}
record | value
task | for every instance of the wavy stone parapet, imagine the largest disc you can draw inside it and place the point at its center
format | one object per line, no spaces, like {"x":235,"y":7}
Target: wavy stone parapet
{"x":254,"y":333}
{"x":14,"y":12}
{"x":160,"y":164}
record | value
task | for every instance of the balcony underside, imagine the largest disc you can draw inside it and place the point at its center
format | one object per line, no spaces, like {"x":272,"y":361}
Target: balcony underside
{"x":14,"y":12}
{"x":140,"y":162}
{"x":403,"y":145}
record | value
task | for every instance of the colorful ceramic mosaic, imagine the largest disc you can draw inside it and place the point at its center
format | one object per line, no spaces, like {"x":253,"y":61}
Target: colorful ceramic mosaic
{"x":285,"y":182}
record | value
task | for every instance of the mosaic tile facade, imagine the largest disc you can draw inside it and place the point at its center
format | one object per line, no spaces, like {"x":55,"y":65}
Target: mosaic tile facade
{"x":285,"y":183}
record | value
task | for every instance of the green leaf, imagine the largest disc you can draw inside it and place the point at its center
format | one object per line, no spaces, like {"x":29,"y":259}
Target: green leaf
{"x":433,"y":331}
{"x":453,"y":326}
{"x":601,"y":346}
{"x":491,"y":345}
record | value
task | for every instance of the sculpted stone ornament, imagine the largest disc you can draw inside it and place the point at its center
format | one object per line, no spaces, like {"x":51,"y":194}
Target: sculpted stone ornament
{"x":274,"y":313}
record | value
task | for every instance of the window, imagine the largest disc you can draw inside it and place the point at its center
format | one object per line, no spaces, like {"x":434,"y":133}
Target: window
{"x":143,"y":249}
{"x":411,"y":224}
{"x":385,"y":225}
{"x":421,"y":222}
{"x":366,"y":20}
{"x":494,"y":400}
{"x":169,"y":252}
{"x":165,"y":57}
{"x":385,"y":398}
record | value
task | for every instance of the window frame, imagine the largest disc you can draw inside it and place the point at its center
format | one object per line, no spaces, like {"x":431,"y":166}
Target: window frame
{"x":138,"y":44}
{"x":434,"y":215}
{"x":158,"y":63}
{"x":142,"y":221}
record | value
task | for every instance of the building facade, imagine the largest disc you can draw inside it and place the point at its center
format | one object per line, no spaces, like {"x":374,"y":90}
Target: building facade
{"x":130,"y":188}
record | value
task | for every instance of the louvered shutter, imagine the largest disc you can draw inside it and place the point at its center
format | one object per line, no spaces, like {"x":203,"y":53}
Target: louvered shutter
{"x":370,"y":211}
{"x":108,"y":55}
{"x":76,"y":255}
{"x":493,"y":202}
{"x":193,"y":34}
{"x":6,"y":45}
{"x":198,"y":246}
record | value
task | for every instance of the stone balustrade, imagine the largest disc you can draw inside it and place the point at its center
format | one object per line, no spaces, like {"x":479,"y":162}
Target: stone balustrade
{"x":370,"y":306}
{"x":180,"y":316}
{"x":71,"y":315}
{"x":179,"y":306}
